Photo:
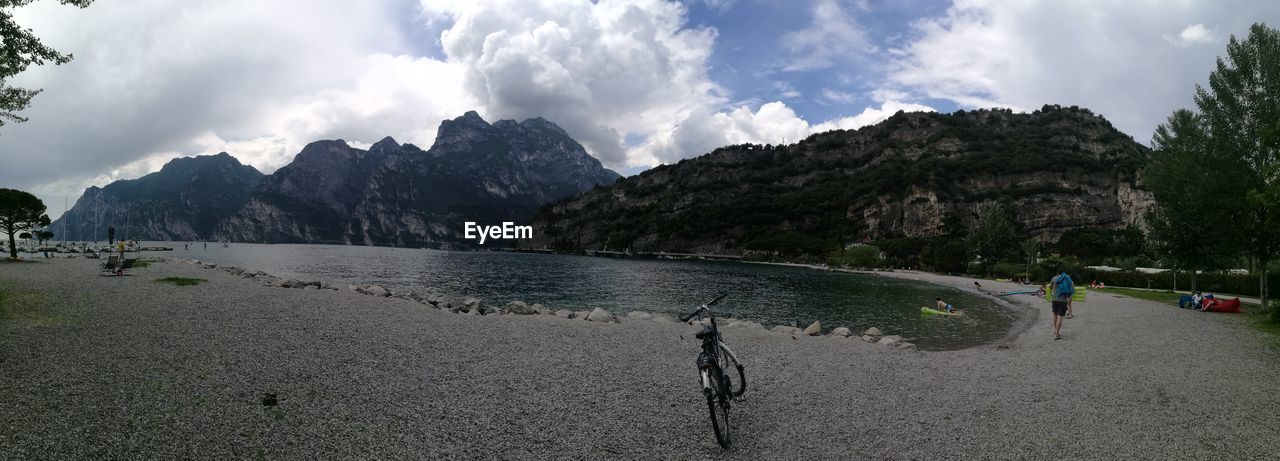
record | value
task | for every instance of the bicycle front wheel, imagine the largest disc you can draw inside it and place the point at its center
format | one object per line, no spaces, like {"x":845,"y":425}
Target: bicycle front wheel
{"x":718,"y":405}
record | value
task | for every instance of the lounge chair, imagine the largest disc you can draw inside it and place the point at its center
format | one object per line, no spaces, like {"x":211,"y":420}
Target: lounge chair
{"x":110,"y":267}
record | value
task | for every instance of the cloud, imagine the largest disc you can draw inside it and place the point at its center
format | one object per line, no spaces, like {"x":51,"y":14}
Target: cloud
{"x":833,"y":36}
{"x":837,"y":96}
{"x":597,"y":69}
{"x":871,"y":116}
{"x":1193,"y":35}
{"x":153,"y":80}
{"x":1113,"y":58}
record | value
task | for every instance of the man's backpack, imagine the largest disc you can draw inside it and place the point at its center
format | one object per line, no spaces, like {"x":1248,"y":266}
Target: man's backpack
{"x":1065,"y":288}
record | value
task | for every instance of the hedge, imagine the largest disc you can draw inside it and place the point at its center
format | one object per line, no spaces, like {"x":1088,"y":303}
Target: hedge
{"x":1243,"y":285}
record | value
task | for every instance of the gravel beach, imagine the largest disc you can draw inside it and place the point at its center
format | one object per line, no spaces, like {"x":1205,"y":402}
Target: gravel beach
{"x":128,"y":368}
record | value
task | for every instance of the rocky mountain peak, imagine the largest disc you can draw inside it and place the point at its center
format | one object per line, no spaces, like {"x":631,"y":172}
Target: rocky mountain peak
{"x":387,"y":144}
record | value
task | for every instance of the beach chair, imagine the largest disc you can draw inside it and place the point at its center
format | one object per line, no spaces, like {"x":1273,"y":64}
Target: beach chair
{"x":110,"y":267}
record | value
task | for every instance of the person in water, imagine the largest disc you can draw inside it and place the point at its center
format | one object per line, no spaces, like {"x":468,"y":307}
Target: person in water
{"x":944,"y":307}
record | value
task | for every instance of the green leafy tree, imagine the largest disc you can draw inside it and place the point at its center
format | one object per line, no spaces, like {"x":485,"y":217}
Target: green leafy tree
{"x":1031,"y":249}
{"x":19,"y":49}
{"x":994,"y":237}
{"x":1192,"y":197}
{"x":20,"y":211}
{"x":43,"y":236}
{"x":1241,"y":108}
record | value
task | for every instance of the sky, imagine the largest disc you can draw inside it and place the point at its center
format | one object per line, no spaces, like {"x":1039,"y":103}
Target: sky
{"x":637,"y":82}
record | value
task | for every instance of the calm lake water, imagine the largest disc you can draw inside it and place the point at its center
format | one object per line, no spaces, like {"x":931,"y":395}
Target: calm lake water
{"x":772,"y":295}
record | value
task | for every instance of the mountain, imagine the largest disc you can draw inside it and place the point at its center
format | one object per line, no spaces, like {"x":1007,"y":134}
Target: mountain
{"x":913,"y":175}
{"x":185,"y":200}
{"x":398,"y":194}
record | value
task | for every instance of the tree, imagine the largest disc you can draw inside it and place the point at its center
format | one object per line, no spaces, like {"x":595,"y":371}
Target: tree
{"x":1188,"y":180}
{"x":19,"y":49}
{"x":20,"y":211}
{"x":1031,"y":248}
{"x":994,"y":237}
{"x":1241,"y":108}
{"x":43,"y":236}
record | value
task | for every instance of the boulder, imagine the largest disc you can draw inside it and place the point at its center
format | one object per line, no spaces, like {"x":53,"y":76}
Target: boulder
{"x":353,"y":288}
{"x":291,"y":283}
{"x":542,"y":310}
{"x":786,"y":330}
{"x":868,"y":338}
{"x":581,"y":315}
{"x":841,"y":332}
{"x":310,"y":287}
{"x":564,"y":313}
{"x":211,"y":266}
{"x":470,"y":303}
{"x":906,"y":346}
{"x":314,"y":283}
{"x":889,"y":340}
{"x":520,"y":308}
{"x":873,"y":331}
{"x":813,"y":329}
{"x":637,"y":315}
{"x":599,"y":315}
{"x":374,"y":290}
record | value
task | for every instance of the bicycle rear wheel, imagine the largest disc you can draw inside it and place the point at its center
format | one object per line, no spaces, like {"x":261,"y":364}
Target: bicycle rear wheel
{"x":718,"y":405}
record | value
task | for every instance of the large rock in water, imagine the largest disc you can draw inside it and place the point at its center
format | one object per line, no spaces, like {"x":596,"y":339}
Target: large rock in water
{"x":599,"y":315}
{"x":841,"y":332}
{"x":873,"y":331}
{"x":813,"y":329}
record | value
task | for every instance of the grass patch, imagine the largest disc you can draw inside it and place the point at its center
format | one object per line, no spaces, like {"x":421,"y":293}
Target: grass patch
{"x":140,"y":263}
{"x":182,"y":281}
{"x":28,"y":308}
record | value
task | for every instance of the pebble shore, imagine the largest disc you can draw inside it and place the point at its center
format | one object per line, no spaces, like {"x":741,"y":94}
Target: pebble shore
{"x":241,"y":367}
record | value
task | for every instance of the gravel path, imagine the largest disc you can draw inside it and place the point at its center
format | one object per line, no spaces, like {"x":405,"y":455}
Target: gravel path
{"x":123,"y":367}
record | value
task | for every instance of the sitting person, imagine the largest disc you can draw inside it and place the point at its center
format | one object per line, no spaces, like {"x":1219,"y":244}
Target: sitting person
{"x":944,"y":307}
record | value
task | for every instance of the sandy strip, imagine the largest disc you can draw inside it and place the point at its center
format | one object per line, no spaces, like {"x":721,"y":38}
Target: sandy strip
{"x":123,"y":367}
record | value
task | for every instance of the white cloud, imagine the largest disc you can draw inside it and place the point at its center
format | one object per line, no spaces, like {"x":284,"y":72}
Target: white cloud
{"x":596,"y":69}
{"x":1194,"y":34}
{"x":787,"y":90}
{"x":870,"y":116}
{"x":837,"y":96}
{"x":833,"y":36}
{"x":1110,"y":57}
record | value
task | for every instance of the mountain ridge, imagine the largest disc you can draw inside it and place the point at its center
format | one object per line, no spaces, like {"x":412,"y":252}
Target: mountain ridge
{"x":913,"y":175}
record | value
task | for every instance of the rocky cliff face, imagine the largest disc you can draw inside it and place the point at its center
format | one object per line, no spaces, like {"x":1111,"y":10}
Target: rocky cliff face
{"x":914,"y":175}
{"x":185,"y":200}
{"x":396,"y":194}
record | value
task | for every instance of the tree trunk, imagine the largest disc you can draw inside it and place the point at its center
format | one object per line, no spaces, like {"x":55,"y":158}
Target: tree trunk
{"x":13,"y":246}
{"x":1193,"y":280}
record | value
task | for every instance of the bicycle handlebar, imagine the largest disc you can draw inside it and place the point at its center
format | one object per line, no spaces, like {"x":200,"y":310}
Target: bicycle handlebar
{"x":704,"y":306}
{"x":686,"y":318}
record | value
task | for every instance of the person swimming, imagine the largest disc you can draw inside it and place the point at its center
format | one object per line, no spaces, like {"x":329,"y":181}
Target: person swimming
{"x":944,"y":307}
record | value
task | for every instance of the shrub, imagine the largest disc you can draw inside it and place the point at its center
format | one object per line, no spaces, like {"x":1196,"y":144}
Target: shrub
{"x":861,"y":256}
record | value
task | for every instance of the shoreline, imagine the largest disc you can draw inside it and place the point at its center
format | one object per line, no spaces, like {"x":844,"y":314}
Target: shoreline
{"x":121,"y":366}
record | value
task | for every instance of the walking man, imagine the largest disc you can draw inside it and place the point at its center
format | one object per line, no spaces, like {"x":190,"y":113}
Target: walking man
{"x":1063,"y":288}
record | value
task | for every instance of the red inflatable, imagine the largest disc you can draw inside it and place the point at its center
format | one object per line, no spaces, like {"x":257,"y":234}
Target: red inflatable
{"x":1231,"y":306}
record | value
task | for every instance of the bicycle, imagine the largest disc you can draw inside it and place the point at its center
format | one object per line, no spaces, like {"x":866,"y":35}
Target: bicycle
{"x":717,"y":385}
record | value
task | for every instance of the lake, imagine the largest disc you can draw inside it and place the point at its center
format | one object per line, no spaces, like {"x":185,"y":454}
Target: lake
{"x":768,"y":294}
